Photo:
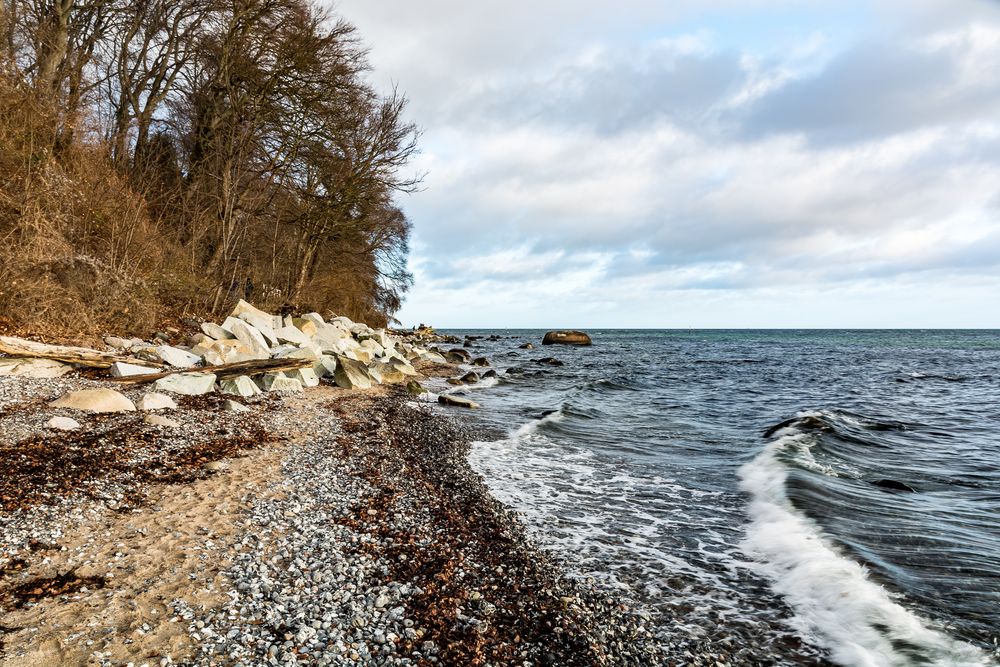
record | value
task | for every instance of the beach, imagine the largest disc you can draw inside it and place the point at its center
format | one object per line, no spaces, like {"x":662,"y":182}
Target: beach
{"x":331,"y":527}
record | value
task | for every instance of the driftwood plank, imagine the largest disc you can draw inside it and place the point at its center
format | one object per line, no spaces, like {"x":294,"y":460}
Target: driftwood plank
{"x":84,"y":356}
{"x":224,"y":371}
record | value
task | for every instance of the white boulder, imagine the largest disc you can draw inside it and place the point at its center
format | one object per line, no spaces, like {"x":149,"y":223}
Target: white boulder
{"x":95,"y":400}
{"x":187,"y":384}
{"x":154,"y":401}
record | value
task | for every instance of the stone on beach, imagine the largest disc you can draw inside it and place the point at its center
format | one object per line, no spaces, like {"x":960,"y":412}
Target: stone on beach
{"x":216,"y":332}
{"x":121,"y":369}
{"x":306,"y":376}
{"x":414,"y":388}
{"x":187,"y":384}
{"x":280,"y":382}
{"x":95,"y":400}
{"x":291,"y":335}
{"x":62,"y":424}
{"x":163,"y":422}
{"x":351,"y":374}
{"x":254,"y":341}
{"x":154,"y":401}
{"x":239,"y":386}
{"x":39,"y":369}
{"x":457,"y":401}
{"x":234,"y":406}
{"x":176,"y":357}
{"x":566,"y":338}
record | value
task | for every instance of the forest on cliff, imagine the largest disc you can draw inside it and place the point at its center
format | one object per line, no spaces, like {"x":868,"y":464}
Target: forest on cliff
{"x":162,"y":158}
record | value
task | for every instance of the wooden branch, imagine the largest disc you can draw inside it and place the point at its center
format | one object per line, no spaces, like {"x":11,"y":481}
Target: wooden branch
{"x":225,"y":371}
{"x":83,"y":356}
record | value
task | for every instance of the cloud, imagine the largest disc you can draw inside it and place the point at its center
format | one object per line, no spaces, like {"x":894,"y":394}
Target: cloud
{"x":650,"y":154}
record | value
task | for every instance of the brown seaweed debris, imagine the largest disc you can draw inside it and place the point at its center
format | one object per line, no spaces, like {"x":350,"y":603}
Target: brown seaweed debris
{"x":488,"y":596}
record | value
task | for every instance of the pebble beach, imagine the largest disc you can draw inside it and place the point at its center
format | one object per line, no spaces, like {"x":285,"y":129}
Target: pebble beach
{"x":331,"y":526}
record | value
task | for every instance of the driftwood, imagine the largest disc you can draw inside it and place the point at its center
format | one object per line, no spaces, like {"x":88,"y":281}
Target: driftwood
{"x":83,"y":356}
{"x":225,"y":371}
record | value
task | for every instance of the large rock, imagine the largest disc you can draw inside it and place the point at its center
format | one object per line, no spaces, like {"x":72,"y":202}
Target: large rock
{"x":120,"y":369}
{"x":240,"y":386}
{"x":306,"y":376}
{"x":187,"y":384}
{"x":384,"y":373}
{"x":228,"y":352}
{"x":243,"y":308}
{"x":154,"y":401}
{"x":280,"y":382}
{"x":457,"y":401}
{"x":351,"y":374}
{"x":566,"y":338}
{"x":262,"y":323}
{"x":291,"y":335}
{"x":39,"y":368}
{"x":95,"y":400}
{"x":177,"y":357}
{"x":213,"y":330}
{"x":252,"y":339}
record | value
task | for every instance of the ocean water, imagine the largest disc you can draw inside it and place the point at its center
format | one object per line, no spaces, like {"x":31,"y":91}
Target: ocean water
{"x":822,"y":497}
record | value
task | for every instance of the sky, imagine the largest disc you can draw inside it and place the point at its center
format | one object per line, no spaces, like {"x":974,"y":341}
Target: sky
{"x":698,"y":163}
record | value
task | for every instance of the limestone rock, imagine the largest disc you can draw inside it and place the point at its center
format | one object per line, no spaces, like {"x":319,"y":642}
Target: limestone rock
{"x":177,"y":357}
{"x":95,"y":400}
{"x":40,"y":368}
{"x":240,"y":386}
{"x":457,"y":401}
{"x":233,"y":406}
{"x":154,"y":401}
{"x":187,"y":384}
{"x":351,"y":374}
{"x":566,"y":338}
{"x":162,"y":422}
{"x":291,"y":335}
{"x":121,"y":369}
{"x":117,"y":343}
{"x":252,"y":339}
{"x":262,"y":323}
{"x":306,"y":376}
{"x":216,"y":332}
{"x":384,"y":373}
{"x":62,"y":424}
{"x":280,"y":382}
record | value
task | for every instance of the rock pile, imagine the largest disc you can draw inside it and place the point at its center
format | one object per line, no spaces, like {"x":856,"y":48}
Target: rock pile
{"x":352,"y":355}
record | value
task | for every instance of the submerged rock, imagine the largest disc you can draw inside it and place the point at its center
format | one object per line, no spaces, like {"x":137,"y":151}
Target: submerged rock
{"x":893,"y":485}
{"x":95,"y":400}
{"x":566,"y":338}
{"x":527,"y":346}
{"x":457,"y":401}
{"x":549,"y":361}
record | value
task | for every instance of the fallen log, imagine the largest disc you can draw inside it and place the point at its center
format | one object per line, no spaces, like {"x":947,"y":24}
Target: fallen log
{"x":225,"y":371}
{"x":82,"y":356}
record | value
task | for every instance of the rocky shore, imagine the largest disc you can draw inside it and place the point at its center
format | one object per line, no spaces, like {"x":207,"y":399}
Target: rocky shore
{"x":332,"y":526}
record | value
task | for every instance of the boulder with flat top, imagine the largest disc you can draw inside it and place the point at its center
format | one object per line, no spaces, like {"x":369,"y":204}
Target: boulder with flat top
{"x":566,"y":338}
{"x":95,"y":400}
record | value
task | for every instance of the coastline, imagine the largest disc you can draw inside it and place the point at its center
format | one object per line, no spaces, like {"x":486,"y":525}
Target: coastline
{"x":341,"y":527}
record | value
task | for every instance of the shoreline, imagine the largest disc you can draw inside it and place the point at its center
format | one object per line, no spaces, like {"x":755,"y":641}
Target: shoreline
{"x":361,"y":539}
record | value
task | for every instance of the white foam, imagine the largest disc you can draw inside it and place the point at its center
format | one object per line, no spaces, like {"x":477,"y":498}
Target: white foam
{"x":837,"y":605}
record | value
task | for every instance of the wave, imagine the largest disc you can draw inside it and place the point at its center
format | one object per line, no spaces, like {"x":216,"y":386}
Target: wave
{"x":837,"y":604}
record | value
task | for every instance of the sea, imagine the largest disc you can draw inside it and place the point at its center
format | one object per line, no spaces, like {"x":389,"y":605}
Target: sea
{"x":818,"y":497}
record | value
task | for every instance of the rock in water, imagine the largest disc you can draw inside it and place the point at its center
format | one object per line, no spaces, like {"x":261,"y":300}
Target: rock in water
{"x":187,"y":384}
{"x":62,"y":424}
{"x":527,"y":346}
{"x":457,"y":401}
{"x":480,"y":361}
{"x":154,"y":401}
{"x":470,"y":378}
{"x":566,"y":338}
{"x":894,"y":485}
{"x":351,"y":374}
